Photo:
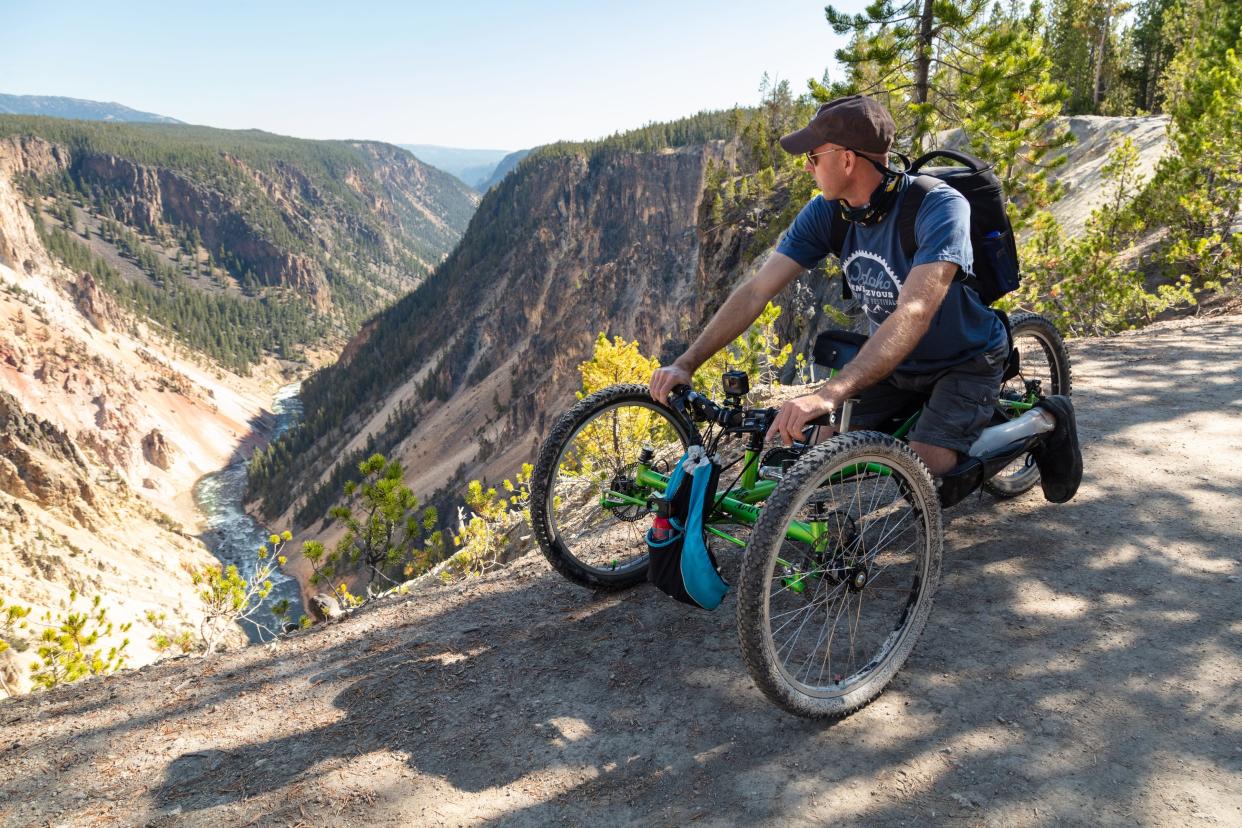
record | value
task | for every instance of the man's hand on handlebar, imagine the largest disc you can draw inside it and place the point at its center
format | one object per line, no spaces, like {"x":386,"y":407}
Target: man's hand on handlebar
{"x":796,"y":413}
{"x":665,"y":379}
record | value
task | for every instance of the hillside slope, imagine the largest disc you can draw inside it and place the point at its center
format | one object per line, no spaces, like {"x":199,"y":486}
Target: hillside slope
{"x":148,"y":276}
{"x":503,"y":168}
{"x":56,"y":106}
{"x":340,"y":228}
{"x":105,"y":425}
{"x":1080,"y":667}
{"x":146,"y":362}
{"x":471,"y":166}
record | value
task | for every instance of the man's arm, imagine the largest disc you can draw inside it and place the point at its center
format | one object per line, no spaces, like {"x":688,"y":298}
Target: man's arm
{"x":921,"y":295}
{"x":742,"y":308}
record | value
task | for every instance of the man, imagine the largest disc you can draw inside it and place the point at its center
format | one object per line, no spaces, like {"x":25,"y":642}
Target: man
{"x":932,"y":338}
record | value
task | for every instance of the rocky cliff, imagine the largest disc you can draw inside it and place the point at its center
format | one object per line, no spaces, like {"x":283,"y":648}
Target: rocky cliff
{"x":345,"y":226}
{"x":104,"y":428}
{"x":567,"y":246}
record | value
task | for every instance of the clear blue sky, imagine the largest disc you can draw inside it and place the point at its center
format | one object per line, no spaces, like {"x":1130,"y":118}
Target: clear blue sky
{"x":467,"y":74}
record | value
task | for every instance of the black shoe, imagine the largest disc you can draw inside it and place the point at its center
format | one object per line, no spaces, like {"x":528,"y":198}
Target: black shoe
{"x":1058,"y":455}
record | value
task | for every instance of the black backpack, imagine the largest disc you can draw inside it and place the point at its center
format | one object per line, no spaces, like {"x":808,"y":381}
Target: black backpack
{"x":991,"y":234}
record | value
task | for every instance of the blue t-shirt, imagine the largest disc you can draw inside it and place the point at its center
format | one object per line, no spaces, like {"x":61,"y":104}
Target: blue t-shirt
{"x":875,"y":265}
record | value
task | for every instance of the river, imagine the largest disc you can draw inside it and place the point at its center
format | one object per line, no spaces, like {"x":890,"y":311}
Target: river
{"x":234,"y":536}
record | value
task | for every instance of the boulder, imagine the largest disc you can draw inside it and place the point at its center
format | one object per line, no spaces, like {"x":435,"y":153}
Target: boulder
{"x":158,"y":451}
{"x":323,"y":607}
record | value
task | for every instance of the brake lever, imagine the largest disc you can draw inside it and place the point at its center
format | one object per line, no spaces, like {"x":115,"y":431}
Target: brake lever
{"x":677,"y":400}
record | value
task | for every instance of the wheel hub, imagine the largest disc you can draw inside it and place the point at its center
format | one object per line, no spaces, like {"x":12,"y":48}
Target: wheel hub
{"x":623,"y":484}
{"x":858,"y":577}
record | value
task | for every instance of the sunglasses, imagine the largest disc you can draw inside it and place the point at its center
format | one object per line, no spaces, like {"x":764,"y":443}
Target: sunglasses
{"x":810,"y":157}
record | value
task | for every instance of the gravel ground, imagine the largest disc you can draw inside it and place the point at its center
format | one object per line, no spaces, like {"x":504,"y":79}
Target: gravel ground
{"x":1082,"y":666}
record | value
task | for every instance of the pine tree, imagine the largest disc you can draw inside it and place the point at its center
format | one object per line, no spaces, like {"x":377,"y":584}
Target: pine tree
{"x":614,"y":361}
{"x":1011,"y":101}
{"x":1196,"y":187}
{"x":1085,"y":50}
{"x":390,"y":533}
{"x":907,"y":55}
{"x":1147,"y":55}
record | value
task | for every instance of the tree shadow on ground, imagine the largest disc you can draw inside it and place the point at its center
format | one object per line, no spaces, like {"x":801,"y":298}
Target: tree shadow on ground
{"x":1061,"y":635}
{"x":1081,"y":666}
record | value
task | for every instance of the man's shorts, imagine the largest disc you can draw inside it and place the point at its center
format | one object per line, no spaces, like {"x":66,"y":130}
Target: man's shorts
{"x":957,"y":402}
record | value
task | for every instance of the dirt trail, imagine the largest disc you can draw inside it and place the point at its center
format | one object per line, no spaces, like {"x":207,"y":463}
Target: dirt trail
{"x":1082,"y":666}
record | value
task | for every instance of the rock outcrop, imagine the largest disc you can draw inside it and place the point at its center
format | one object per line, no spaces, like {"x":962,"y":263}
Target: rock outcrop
{"x":23,"y":427}
{"x":98,"y":308}
{"x":40,"y":463}
{"x":20,"y":248}
{"x":158,"y":451}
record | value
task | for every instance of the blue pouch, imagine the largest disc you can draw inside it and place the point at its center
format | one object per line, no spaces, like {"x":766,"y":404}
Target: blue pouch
{"x":682,"y":565}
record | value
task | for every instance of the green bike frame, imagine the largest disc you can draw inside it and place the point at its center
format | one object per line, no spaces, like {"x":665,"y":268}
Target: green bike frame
{"x":739,"y":503}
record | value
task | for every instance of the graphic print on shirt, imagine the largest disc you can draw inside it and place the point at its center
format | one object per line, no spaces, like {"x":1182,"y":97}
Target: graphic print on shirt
{"x":873,"y":282}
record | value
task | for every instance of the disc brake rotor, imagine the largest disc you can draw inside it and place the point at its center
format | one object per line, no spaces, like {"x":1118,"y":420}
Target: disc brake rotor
{"x":827,"y":556}
{"x":623,"y":483}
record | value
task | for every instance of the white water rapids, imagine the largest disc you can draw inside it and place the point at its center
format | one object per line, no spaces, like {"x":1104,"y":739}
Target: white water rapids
{"x":234,"y":536}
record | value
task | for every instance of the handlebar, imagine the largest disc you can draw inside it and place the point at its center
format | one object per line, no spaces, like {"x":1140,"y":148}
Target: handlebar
{"x":696,"y":407}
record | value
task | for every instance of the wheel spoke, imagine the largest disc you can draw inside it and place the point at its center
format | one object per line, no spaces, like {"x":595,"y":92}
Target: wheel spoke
{"x":851,"y":621}
{"x":1042,"y":359}
{"x":593,"y":450}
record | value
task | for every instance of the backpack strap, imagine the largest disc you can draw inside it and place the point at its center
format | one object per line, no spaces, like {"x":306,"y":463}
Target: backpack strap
{"x":836,"y":243}
{"x":920,"y":186}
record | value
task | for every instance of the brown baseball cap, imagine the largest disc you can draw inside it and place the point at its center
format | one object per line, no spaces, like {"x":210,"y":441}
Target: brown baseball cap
{"x":857,"y":122}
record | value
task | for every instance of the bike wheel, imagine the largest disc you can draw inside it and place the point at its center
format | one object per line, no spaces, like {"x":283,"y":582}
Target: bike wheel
{"x":825,"y":625}
{"x":583,"y":489}
{"x":1044,"y":369}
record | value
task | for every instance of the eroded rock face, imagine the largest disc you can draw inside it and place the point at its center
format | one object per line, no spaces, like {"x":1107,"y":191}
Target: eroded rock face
{"x":158,"y":451}
{"x":19,"y":244}
{"x":39,"y":463}
{"x":96,"y":306}
{"x":114,"y":439}
{"x":24,"y":427}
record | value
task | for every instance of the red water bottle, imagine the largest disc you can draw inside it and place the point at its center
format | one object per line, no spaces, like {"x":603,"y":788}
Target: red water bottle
{"x":660,"y":527}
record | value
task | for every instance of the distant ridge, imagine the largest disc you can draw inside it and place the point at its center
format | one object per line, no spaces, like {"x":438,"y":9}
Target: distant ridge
{"x":57,"y":107}
{"x":474,"y":167}
{"x":502,"y":169}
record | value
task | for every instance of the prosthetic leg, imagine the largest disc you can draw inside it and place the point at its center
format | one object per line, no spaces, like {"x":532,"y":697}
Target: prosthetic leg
{"x":996,"y":448}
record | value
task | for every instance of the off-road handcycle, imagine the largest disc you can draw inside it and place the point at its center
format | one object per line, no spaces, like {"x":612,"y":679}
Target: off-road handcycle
{"x":843,"y":539}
